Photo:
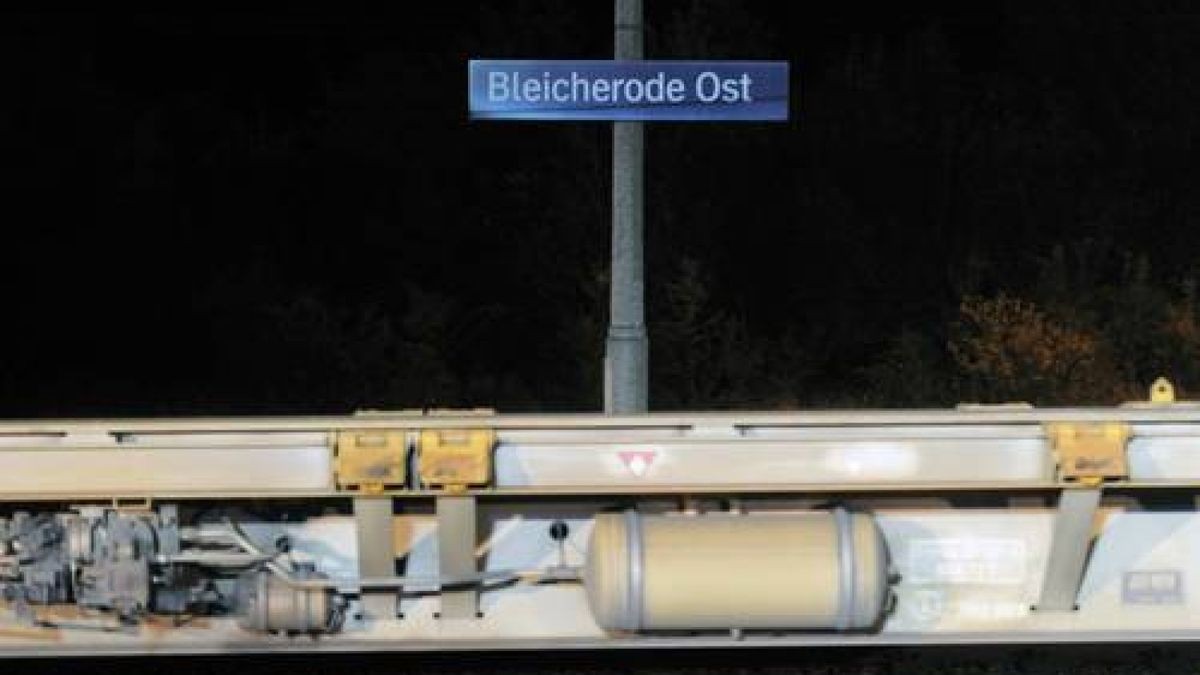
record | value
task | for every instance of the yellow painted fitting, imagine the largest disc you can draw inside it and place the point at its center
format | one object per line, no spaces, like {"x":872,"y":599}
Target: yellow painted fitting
{"x":133,"y":504}
{"x":455,"y":458}
{"x":1162,"y":391}
{"x":1090,"y":453}
{"x":371,"y":460}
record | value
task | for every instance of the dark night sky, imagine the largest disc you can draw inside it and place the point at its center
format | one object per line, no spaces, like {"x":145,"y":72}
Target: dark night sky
{"x":289,"y":212}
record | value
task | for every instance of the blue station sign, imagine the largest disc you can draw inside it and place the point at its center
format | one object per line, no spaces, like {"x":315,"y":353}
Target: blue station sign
{"x":628,"y":90}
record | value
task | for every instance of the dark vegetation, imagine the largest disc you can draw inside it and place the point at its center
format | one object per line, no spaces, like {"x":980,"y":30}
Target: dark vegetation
{"x":230,"y":213}
{"x":244,"y":213}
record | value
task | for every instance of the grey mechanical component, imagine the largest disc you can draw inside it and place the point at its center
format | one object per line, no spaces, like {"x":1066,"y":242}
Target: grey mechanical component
{"x":268,"y":602}
{"x":130,"y":563}
{"x":110,"y":556}
{"x":34,"y":565}
{"x":136,"y":563}
{"x":99,"y":558}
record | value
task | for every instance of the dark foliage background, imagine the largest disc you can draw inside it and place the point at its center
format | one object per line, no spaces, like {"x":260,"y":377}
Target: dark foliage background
{"x":289,"y":212}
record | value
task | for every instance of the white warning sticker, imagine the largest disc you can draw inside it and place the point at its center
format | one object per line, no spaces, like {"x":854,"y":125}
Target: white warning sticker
{"x":638,"y":462}
{"x":1152,"y":587}
{"x":935,"y":604}
{"x":966,"y":560}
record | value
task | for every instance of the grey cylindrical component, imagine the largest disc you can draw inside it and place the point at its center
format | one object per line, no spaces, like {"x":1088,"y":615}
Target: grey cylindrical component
{"x":819,"y":570}
{"x":268,"y":603}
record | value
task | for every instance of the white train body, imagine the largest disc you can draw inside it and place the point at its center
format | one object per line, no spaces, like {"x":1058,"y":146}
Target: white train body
{"x":477,"y":531}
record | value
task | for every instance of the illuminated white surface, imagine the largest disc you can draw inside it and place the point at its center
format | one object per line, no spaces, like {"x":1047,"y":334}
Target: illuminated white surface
{"x":132,"y":470}
{"x":746,"y":462}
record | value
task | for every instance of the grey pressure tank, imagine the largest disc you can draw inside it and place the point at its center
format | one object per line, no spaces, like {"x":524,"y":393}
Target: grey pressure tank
{"x":269,"y":604}
{"x":814,"y":570}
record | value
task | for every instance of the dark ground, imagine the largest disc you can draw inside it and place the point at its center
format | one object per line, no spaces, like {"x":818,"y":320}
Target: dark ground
{"x":1043,"y":660}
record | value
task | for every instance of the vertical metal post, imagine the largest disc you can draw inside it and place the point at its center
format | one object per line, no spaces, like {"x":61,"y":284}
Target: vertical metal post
{"x":456,"y":533}
{"x":626,"y":348}
{"x":376,"y":552}
{"x":1069,"y":548}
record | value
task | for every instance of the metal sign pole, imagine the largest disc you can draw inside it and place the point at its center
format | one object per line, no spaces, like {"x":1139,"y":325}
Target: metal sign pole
{"x":626,"y":349}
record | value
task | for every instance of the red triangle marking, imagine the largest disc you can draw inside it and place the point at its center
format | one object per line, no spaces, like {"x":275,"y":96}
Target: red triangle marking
{"x":637,"y":461}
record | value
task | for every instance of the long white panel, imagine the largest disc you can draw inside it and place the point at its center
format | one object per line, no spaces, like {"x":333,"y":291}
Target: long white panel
{"x":136,"y":470}
{"x":1164,"y":459}
{"x":745,"y":462}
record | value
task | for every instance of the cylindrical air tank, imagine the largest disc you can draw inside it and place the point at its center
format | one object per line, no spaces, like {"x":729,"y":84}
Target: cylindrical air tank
{"x":813,"y":570}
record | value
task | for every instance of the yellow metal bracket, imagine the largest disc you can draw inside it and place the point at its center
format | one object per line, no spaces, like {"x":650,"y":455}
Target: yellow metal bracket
{"x":133,"y":504}
{"x":370,"y":461}
{"x":455,"y":459}
{"x":1090,"y":453}
{"x":1162,"y":391}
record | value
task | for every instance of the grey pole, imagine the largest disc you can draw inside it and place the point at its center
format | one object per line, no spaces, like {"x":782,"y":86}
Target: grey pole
{"x":626,"y":349}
